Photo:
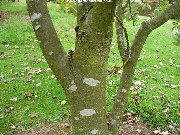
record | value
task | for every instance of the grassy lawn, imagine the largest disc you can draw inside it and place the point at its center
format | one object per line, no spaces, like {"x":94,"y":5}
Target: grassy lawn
{"x":30,"y":95}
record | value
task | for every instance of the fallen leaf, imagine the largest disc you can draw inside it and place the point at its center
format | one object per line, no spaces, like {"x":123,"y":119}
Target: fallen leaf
{"x":138,"y":83}
{"x":63,"y":102}
{"x":38,"y":84}
{"x":2,"y":55}
{"x":174,"y":86}
{"x":34,"y":114}
{"x":177,"y":66}
{"x":27,"y":68}
{"x":14,"y":99}
{"x":161,"y":63}
{"x":13,"y":127}
{"x":166,"y":110}
{"x":27,"y":94}
{"x":2,"y":76}
{"x":11,"y":108}
{"x":1,"y":116}
{"x":8,"y":46}
{"x":156,"y":131}
{"x":16,"y":47}
{"x":138,"y":130}
{"x":165,"y":133}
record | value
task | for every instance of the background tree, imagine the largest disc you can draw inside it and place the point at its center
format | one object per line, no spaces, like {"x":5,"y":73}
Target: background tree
{"x":177,"y":30}
{"x":82,"y":73}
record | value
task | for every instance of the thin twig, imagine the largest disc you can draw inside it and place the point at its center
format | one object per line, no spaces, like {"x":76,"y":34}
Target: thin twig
{"x":130,"y":10}
{"x":124,"y":29}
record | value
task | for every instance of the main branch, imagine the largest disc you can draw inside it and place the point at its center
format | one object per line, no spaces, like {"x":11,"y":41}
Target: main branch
{"x":49,"y":42}
{"x":129,"y":68}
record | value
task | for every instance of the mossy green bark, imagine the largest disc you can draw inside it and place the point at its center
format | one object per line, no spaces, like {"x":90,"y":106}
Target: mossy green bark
{"x":94,"y":35}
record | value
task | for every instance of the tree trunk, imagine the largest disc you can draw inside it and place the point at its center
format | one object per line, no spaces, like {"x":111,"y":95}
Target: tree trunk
{"x":86,"y":68}
{"x":94,"y":35}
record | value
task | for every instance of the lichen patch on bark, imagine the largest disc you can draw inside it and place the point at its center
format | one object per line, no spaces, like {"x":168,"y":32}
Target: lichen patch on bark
{"x":37,"y":27}
{"x":50,"y":53}
{"x":87,"y":112}
{"x":124,"y":90}
{"x":76,"y":118}
{"x":73,"y":86}
{"x":36,"y":16}
{"x":94,"y":131}
{"x":91,"y":81}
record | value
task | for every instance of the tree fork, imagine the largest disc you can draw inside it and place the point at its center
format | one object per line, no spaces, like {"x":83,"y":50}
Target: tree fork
{"x":82,"y":73}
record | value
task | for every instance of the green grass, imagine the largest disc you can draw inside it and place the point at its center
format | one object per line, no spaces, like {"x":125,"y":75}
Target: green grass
{"x":14,"y":7}
{"x":24,"y":74}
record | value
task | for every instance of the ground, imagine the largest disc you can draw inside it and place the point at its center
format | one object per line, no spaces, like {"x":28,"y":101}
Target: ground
{"x":131,"y":126}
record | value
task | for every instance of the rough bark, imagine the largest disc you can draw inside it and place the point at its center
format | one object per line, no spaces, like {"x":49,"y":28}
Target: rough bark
{"x":129,"y":68}
{"x":53,"y":51}
{"x":119,"y":29}
{"x":83,"y":75}
{"x":94,"y":35}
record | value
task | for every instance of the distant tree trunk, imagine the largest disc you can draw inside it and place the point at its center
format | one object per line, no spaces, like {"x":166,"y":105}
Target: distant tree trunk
{"x":82,"y":73}
{"x":13,"y":0}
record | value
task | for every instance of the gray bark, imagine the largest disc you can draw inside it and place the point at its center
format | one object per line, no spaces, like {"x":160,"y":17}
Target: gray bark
{"x":94,"y":35}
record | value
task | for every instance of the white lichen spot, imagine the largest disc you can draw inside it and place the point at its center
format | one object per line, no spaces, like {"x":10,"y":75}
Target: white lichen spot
{"x":50,"y":53}
{"x":87,"y":112}
{"x":88,"y":19}
{"x":121,"y":39}
{"x":94,"y":131}
{"x":73,"y":86}
{"x":36,"y":16}
{"x":76,"y":118}
{"x":63,"y":60}
{"x":81,"y":129}
{"x":117,"y":116}
{"x":113,"y":122}
{"x":124,"y":90}
{"x":91,"y":81}
{"x":37,"y":27}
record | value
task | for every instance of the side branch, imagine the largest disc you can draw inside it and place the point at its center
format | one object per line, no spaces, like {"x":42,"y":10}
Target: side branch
{"x":165,"y":16}
{"x":130,"y":10}
{"x":120,"y":30}
{"x":124,"y":29}
{"x":129,"y":68}
{"x":126,"y":5}
{"x":148,"y":26}
{"x":49,"y":42}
